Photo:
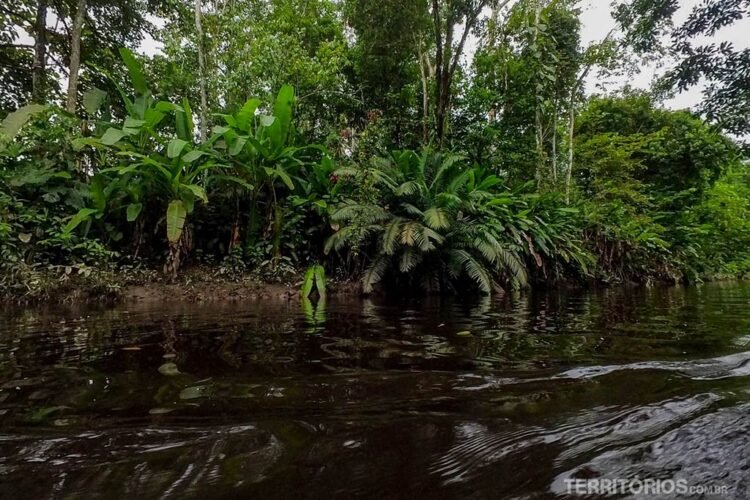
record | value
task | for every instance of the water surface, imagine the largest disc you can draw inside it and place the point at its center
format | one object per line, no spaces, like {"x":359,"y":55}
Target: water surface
{"x":377,"y":399}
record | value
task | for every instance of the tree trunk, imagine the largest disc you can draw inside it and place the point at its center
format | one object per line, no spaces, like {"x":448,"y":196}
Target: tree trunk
{"x":201,"y":71}
{"x":439,"y":117}
{"x":235,"y":238}
{"x":571,"y":137}
{"x":39,"y":71}
{"x":540,"y":167}
{"x":554,"y":142}
{"x":75,"y":56}
{"x":177,"y":252}
{"x":447,"y":58}
{"x":426,"y":73}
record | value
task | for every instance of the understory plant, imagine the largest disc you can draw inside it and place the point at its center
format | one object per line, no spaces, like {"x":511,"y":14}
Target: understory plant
{"x":438,"y":223}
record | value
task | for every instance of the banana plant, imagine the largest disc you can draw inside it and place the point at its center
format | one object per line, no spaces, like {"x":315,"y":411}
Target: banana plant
{"x":157,"y":161}
{"x":259,"y":151}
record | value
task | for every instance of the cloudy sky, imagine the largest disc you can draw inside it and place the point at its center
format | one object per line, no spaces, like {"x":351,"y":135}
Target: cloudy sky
{"x":597,"y":22}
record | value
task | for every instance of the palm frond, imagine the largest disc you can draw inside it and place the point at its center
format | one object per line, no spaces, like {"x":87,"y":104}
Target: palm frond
{"x":390,"y":236}
{"x":407,"y":188}
{"x":410,"y":231}
{"x":475,"y":270}
{"x":436,"y":218}
{"x":374,"y":273}
{"x":409,"y":260}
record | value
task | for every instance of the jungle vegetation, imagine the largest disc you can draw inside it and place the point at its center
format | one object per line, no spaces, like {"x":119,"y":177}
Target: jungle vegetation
{"x":437,"y":145}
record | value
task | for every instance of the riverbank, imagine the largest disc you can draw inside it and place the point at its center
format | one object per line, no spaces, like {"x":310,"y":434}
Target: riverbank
{"x":69,"y":285}
{"x":128,"y":284}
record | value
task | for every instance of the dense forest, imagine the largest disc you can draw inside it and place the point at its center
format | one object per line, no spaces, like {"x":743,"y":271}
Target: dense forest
{"x":434,"y":145}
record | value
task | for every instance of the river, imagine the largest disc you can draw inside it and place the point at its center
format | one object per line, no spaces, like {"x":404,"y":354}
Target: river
{"x":520,"y":396}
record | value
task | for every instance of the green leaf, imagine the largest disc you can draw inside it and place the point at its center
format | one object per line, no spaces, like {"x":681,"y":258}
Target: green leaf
{"x":307,"y":283}
{"x":82,"y":215}
{"x":111,"y":136}
{"x":282,"y":108}
{"x":133,"y":123}
{"x":93,"y":99}
{"x":175,"y":147}
{"x":13,"y":123}
{"x":134,"y":210}
{"x":176,"y":214}
{"x":193,"y":155}
{"x":198,"y":191}
{"x":267,"y":121}
{"x":246,"y":114}
{"x":235,"y":180}
{"x":184,"y":121}
{"x":24,"y":237}
{"x":135,"y":71}
{"x":320,"y":279}
{"x":284,"y":177}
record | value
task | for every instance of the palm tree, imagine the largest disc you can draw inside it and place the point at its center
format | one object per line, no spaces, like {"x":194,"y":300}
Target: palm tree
{"x":435,"y":226}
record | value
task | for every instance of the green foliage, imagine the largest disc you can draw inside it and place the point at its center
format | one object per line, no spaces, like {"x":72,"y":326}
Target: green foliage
{"x":643,"y":170}
{"x":154,"y":160}
{"x":439,"y":222}
{"x":314,"y":110}
{"x":315,"y":279}
{"x":649,"y":28}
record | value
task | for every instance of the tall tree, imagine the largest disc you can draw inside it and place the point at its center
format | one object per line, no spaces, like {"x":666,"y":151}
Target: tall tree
{"x":447,"y":17}
{"x":201,"y":71}
{"x":70,"y":39}
{"x":525,"y":70}
{"x":75,"y":55}
{"x":39,"y":75}
{"x":649,"y":26}
{"x":388,"y":57}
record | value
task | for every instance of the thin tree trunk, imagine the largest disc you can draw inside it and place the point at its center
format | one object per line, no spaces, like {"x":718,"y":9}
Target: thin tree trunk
{"x":426,"y":74}
{"x":201,"y":71}
{"x":39,"y":71}
{"x":438,"y":70}
{"x":571,"y":136}
{"x":554,"y":142}
{"x":75,"y":55}
{"x":538,"y":109}
{"x":447,"y":59}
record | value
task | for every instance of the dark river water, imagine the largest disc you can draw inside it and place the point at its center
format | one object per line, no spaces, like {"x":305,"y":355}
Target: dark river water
{"x":509,"y":398}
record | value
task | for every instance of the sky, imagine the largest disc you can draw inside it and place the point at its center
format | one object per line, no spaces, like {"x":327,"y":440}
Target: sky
{"x":597,"y":22}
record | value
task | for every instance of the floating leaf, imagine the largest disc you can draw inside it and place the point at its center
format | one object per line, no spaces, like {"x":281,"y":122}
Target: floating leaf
{"x":169,"y":369}
{"x":160,"y":411}
{"x":195,"y":392}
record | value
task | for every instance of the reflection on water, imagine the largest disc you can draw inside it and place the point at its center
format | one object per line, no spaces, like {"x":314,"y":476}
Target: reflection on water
{"x":432,"y":398}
